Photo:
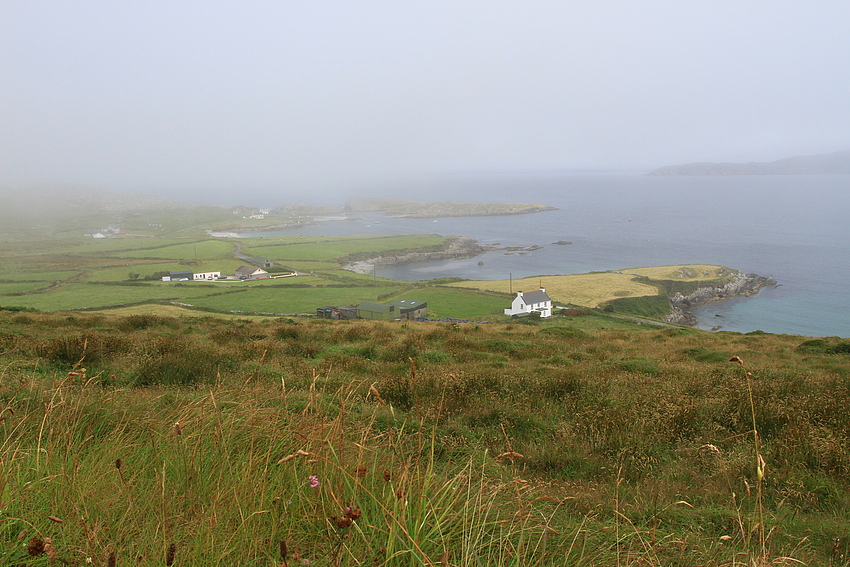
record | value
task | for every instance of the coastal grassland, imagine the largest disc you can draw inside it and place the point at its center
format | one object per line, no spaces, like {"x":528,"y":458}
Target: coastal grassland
{"x":149,"y":271}
{"x":193,"y":221}
{"x":332,"y":248}
{"x":167,"y":310}
{"x":88,"y":274}
{"x":599,"y":288}
{"x":683,"y":272}
{"x":119,"y":246}
{"x":323,"y":267}
{"x":416,"y":209}
{"x":291,"y":299}
{"x":208,"y":249}
{"x":93,"y":295}
{"x":41,"y":275}
{"x":15,"y":287}
{"x":587,"y":290}
{"x":456,"y":303}
{"x":431,"y":443}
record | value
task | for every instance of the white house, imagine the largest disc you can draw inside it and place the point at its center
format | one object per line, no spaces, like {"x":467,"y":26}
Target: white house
{"x":525,"y":303}
{"x":249,"y":272}
{"x":199,"y":276}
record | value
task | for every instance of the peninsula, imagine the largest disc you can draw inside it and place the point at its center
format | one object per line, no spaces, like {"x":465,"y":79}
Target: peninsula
{"x":404,"y":208}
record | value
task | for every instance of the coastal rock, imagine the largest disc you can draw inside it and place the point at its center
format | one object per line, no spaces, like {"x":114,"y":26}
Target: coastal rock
{"x":460,"y":247}
{"x":740,"y":285}
{"x":679,"y":316}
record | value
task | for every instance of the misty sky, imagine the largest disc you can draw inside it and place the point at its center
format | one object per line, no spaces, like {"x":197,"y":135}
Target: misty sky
{"x":312,"y":95}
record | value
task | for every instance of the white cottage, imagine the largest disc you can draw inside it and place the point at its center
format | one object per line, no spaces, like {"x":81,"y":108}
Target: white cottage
{"x":525,"y":303}
{"x":250,"y":272}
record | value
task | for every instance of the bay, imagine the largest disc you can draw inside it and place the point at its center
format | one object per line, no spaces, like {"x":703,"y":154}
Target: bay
{"x":793,"y":228}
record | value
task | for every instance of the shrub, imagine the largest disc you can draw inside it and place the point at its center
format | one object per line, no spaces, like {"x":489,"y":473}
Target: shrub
{"x":703,"y":354}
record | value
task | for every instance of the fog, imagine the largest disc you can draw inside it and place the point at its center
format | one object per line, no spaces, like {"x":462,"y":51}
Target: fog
{"x":231,"y":101}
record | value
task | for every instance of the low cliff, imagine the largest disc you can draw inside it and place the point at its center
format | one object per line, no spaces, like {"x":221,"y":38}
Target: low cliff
{"x":740,"y":285}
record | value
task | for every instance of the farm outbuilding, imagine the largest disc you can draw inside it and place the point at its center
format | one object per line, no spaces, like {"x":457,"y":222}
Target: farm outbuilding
{"x":371,"y":310}
{"x":333,"y":312}
{"x":410,"y":308}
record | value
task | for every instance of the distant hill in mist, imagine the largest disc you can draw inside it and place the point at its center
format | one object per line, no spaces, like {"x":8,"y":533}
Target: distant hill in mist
{"x":835,"y":163}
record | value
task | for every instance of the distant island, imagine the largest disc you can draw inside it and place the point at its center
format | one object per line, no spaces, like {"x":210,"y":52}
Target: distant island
{"x":834,"y":163}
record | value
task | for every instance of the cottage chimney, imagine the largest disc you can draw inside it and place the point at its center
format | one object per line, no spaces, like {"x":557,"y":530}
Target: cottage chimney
{"x":543,"y":289}
{"x":519,"y":294}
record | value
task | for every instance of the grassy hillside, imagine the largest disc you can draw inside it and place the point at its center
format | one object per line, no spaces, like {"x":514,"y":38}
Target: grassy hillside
{"x":196,"y":438}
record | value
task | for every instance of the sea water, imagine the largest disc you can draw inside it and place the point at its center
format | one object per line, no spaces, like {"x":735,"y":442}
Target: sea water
{"x":793,"y":228}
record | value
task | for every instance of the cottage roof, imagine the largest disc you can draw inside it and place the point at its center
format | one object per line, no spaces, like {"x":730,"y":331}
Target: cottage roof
{"x":249,"y":270}
{"x":535,"y":297}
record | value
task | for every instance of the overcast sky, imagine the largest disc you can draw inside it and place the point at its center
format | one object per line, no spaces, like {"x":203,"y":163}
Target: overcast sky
{"x":312,"y":95}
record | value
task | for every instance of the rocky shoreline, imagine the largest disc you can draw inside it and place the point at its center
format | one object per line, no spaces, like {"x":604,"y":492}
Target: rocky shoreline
{"x":741,"y":285}
{"x":460,"y":247}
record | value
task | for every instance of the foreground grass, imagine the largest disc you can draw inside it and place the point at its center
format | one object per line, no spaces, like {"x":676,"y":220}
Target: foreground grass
{"x":431,"y":444}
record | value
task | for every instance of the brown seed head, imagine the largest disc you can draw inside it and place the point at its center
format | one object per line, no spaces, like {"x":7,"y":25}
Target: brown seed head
{"x":169,"y":555}
{"x":49,"y":550}
{"x":111,"y":561}
{"x":35,"y":547}
{"x":118,"y":464}
{"x":374,"y":391}
{"x":341,"y":523}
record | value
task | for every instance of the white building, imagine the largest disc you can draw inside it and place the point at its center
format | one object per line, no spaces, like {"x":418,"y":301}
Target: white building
{"x":250,"y":272}
{"x":525,"y":303}
{"x":198,"y":276}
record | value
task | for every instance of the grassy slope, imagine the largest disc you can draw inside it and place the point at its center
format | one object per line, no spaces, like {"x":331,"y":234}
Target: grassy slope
{"x":626,"y":448}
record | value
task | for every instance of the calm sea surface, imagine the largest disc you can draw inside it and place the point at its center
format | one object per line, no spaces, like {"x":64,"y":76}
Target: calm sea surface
{"x":794,"y":228}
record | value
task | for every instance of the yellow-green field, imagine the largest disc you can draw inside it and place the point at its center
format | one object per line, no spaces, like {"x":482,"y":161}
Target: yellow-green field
{"x":682,"y":272}
{"x":591,"y":290}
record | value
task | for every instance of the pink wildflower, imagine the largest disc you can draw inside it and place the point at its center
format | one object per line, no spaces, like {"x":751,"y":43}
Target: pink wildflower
{"x":314,"y":481}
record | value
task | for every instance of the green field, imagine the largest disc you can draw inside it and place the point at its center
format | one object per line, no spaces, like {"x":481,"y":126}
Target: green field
{"x":330,"y":248}
{"x":114,"y":272}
